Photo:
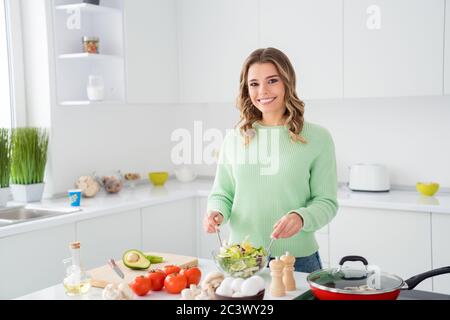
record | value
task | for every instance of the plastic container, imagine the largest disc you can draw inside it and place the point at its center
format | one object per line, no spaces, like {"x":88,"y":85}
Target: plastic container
{"x":95,"y":88}
{"x":75,"y":197}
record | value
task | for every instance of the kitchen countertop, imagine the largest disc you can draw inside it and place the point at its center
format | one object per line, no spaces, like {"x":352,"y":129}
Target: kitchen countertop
{"x":147,"y":195}
{"x":57,"y":292}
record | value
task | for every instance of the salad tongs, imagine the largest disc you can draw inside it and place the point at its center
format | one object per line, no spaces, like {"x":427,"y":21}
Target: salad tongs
{"x":218,"y":235}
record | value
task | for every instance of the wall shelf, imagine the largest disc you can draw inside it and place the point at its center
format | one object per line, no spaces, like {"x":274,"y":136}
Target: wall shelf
{"x":89,"y":56}
{"x":88,"y":8}
{"x":74,"y":66}
{"x":89,"y":103}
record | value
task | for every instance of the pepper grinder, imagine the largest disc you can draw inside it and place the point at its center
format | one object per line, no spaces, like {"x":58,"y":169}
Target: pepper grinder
{"x":288,"y":272}
{"x":277,"y":288}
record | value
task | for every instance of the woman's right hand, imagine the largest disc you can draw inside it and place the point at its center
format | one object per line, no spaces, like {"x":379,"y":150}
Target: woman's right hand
{"x":212,"y":221}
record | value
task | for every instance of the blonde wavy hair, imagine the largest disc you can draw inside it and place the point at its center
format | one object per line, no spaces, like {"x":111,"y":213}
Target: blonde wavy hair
{"x":295,"y":108}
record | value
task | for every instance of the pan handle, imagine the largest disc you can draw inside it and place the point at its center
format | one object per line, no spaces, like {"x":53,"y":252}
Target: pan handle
{"x":353,"y":258}
{"x":415,"y":280}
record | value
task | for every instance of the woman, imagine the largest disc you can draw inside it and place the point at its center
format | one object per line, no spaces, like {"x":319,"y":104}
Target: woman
{"x":276,"y":176}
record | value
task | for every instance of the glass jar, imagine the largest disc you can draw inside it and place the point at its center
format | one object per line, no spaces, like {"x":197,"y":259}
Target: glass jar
{"x":91,"y":44}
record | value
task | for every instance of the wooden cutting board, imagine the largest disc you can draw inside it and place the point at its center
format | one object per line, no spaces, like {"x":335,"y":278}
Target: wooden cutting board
{"x":104,"y":275}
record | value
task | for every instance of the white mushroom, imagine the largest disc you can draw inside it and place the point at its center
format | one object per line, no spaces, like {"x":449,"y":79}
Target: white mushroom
{"x":191,"y":293}
{"x":214,"y":278}
{"x":111,"y":292}
{"x":125,"y":291}
{"x":204,"y":296}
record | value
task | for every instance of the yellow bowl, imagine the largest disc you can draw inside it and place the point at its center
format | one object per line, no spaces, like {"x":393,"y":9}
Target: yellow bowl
{"x":158,"y":178}
{"x":427,"y":189}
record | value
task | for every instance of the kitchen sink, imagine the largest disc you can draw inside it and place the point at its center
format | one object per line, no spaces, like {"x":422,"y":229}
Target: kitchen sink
{"x":21,"y":214}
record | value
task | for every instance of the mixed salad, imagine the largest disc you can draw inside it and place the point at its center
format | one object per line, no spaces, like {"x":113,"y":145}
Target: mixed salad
{"x":241,"y":260}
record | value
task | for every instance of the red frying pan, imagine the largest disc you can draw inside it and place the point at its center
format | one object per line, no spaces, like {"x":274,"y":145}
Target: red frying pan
{"x":346,"y":283}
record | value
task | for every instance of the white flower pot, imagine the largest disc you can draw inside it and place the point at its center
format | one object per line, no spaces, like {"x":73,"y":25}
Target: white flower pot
{"x":4,"y":196}
{"x":27,"y":192}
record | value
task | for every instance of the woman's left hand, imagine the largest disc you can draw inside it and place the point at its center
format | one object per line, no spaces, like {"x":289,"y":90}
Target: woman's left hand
{"x":287,"y":226}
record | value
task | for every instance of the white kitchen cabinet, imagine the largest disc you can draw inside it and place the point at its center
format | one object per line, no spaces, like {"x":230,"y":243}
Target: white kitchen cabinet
{"x":447,"y":49}
{"x":215,"y":38}
{"x":310,"y":34}
{"x":398,"y":242}
{"x":170,"y":227}
{"x":108,"y":237}
{"x":152,"y":52}
{"x":393,"y":48}
{"x":441,"y":256}
{"x":33,"y":261}
{"x":207,"y":242}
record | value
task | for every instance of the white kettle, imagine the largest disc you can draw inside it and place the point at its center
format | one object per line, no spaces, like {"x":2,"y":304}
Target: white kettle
{"x":184,"y":174}
{"x":369,"y":177}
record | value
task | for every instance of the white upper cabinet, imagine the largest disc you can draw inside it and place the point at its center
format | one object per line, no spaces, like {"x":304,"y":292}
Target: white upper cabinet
{"x":215,"y":38}
{"x":310,"y":34}
{"x":393,"y":48}
{"x":447,"y":49}
{"x":151,"y":51}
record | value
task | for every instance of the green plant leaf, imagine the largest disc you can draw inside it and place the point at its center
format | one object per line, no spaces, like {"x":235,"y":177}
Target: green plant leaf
{"x":29,"y":155}
{"x":5,"y":157}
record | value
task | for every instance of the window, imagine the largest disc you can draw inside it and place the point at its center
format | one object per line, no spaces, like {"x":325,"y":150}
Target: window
{"x":5,"y":88}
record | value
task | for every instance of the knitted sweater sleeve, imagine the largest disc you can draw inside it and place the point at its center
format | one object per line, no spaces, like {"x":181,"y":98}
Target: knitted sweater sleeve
{"x":222,"y":194}
{"x":322,"y":206}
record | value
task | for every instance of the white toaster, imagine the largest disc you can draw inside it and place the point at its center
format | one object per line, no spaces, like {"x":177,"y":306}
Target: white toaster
{"x":369,"y":177}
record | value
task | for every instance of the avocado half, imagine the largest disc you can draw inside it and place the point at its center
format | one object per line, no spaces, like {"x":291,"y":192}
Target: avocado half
{"x":135,"y":259}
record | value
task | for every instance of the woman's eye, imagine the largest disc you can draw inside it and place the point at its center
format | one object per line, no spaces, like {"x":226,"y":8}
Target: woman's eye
{"x":253,"y":84}
{"x":273,"y":81}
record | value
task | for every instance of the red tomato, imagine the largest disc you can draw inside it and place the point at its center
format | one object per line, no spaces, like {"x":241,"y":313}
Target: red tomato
{"x":175,"y":283}
{"x":193,"y":275}
{"x":141,"y":285}
{"x":157,"y":278}
{"x":171,"y":269}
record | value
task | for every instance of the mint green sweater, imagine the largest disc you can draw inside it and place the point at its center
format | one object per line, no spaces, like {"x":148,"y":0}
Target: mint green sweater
{"x":255,"y":185}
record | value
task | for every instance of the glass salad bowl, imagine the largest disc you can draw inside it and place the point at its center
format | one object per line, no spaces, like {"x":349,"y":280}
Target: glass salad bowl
{"x":241,"y":260}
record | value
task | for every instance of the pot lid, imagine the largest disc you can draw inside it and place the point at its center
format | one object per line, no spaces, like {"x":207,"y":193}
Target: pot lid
{"x":345,"y":279}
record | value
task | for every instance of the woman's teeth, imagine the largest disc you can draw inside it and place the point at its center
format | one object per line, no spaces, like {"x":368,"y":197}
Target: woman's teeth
{"x":266,"y":101}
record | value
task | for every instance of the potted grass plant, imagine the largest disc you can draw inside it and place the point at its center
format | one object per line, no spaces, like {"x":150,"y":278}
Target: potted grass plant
{"x":29,"y":156}
{"x":5,"y":165}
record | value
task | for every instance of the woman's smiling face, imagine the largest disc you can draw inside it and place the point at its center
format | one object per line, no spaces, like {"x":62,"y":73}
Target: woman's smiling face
{"x":266,"y":89}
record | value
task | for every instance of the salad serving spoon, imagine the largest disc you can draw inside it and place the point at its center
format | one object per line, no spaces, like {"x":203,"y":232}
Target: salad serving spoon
{"x":270,"y":245}
{"x":218,"y":235}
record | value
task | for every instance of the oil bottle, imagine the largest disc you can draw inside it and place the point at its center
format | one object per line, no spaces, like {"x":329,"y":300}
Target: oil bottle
{"x":76,"y":282}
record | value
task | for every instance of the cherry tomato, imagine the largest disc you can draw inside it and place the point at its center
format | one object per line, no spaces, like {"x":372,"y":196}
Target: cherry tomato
{"x":141,"y":285}
{"x":171,"y":269}
{"x":193,"y":275}
{"x":175,"y":283}
{"x":157,"y":278}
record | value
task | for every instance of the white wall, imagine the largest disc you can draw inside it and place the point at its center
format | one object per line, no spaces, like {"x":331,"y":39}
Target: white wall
{"x":409,"y":135}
